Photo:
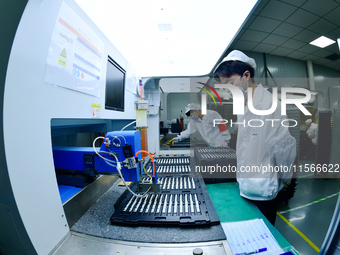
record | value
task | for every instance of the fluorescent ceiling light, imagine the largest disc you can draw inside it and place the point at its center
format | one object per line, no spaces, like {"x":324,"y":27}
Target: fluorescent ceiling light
{"x":322,"y":42}
{"x":339,"y":43}
{"x":169,"y":37}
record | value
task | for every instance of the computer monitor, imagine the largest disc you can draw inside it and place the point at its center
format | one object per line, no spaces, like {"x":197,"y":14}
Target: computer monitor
{"x":115,"y":86}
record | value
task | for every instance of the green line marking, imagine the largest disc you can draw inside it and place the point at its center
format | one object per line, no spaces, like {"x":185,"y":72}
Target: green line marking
{"x":312,"y":203}
{"x":305,"y":176}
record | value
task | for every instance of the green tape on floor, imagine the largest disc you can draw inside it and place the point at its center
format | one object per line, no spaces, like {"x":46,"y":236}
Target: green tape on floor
{"x":312,"y":203}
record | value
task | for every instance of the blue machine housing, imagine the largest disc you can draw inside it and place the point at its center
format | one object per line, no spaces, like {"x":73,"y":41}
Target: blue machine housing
{"x":132,"y":138}
{"x":87,"y":162}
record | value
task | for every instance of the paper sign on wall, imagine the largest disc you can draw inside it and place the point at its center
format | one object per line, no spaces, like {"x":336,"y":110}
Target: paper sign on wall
{"x":75,"y":54}
{"x":95,"y":111}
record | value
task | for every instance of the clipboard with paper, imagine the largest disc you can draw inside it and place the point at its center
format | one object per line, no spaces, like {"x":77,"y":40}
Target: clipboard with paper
{"x":251,"y":236}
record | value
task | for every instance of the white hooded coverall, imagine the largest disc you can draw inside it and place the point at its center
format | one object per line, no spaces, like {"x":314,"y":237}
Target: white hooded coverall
{"x":312,"y":133}
{"x":263,"y":147}
{"x":213,"y":136}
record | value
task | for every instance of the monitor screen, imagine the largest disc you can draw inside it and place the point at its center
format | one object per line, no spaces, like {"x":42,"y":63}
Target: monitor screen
{"x":115,"y":86}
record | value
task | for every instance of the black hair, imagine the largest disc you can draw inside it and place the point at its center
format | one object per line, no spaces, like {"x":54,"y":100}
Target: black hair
{"x":188,"y":114}
{"x":229,"y":68}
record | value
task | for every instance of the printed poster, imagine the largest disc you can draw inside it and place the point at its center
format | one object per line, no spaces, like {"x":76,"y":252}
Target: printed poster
{"x":75,"y":54}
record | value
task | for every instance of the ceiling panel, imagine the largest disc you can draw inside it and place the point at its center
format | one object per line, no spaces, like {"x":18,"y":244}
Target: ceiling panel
{"x":297,"y":3}
{"x":286,"y":27}
{"x":253,"y":36}
{"x":308,"y":48}
{"x":245,"y":45}
{"x":322,"y":26}
{"x":306,"y":36}
{"x":334,"y":48}
{"x":287,"y":30}
{"x":249,"y":21}
{"x":293,"y":44}
{"x":322,"y":53}
{"x":319,"y":7}
{"x":311,"y":57}
{"x":272,"y":7}
{"x":281,"y":51}
{"x":333,"y":16}
{"x":239,"y":35}
{"x":302,"y":18}
{"x":334,"y":34}
{"x":265,"y":48}
{"x":275,"y":39}
{"x":264,"y":24}
{"x":261,"y":5}
{"x":297,"y":55}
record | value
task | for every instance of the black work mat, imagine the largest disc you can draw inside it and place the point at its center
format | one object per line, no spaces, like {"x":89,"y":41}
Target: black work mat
{"x":215,"y":164}
{"x":183,"y":202}
{"x":96,"y":222}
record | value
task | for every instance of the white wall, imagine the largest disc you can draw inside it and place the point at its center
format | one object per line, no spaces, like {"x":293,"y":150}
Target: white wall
{"x":163,"y":114}
{"x":176,"y":102}
{"x":177,"y":94}
{"x":29,"y":105}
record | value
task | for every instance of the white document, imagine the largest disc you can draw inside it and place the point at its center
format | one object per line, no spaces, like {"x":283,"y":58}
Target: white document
{"x":75,"y":54}
{"x":250,"y":235}
{"x":132,"y":80}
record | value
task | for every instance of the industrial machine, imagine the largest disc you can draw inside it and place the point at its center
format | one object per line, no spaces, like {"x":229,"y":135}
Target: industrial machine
{"x":120,"y":153}
{"x":178,"y":198}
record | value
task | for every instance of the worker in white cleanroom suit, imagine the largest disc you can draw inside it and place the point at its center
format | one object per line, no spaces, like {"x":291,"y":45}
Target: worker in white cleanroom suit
{"x":214,"y":134}
{"x":262,"y":149}
{"x":312,"y":131}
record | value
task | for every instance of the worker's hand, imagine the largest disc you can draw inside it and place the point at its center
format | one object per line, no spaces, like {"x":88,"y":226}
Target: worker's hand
{"x":286,"y":185}
{"x":177,"y":139}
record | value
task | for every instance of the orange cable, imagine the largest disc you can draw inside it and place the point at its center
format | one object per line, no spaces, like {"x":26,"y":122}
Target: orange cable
{"x":153,"y":162}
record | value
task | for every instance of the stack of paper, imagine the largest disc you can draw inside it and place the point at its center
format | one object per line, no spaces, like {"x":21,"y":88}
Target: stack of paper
{"x":251,"y":235}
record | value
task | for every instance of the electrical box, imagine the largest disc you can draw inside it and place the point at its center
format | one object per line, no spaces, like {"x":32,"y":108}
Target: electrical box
{"x":71,"y":162}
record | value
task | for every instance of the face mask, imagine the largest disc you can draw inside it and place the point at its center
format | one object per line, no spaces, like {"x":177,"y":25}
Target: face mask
{"x":194,"y":117}
{"x":240,"y":87}
{"x":243,"y":91}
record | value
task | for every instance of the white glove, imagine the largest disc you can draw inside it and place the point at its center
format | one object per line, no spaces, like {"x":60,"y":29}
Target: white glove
{"x":177,"y":139}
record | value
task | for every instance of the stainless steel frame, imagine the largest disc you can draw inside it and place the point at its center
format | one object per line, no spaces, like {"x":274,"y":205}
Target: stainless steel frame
{"x":77,"y":243}
{"x":77,"y":205}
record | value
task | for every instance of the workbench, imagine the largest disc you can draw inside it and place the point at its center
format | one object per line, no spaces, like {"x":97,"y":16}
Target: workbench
{"x":96,"y":222}
{"x":94,"y":232}
{"x":229,"y":205}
